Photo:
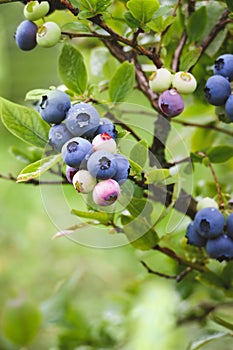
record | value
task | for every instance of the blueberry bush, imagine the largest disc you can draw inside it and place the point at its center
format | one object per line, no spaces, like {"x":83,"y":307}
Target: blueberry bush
{"x":136,"y":140}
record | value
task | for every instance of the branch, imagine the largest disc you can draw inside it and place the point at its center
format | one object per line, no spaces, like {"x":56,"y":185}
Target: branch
{"x":178,"y":52}
{"x":34,"y":181}
{"x":210,"y":126}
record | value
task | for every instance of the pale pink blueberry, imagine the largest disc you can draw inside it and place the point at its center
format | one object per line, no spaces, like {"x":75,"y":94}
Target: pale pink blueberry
{"x":104,"y":142}
{"x":106,"y":192}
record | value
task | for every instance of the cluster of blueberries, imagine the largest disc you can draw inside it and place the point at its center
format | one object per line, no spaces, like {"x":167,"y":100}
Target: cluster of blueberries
{"x":209,"y":230}
{"x":171,"y":86}
{"x":28,"y":35}
{"x":218,"y":87}
{"x":87,"y":144}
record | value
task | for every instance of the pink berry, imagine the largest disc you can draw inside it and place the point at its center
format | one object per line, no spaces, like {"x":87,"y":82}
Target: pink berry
{"x":171,"y":103}
{"x":104,"y":142}
{"x":106,"y":192}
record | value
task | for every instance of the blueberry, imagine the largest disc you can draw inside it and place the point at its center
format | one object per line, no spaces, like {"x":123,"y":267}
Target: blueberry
{"x":224,"y":66}
{"x":209,"y":222}
{"x":25,"y":35}
{"x":53,"y":106}
{"x":220,"y":248}
{"x":104,"y":142}
{"x":75,"y":150}
{"x":101,"y":165}
{"x":106,"y":125}
{"x":229,"y":108}
{"x":106,"y":192}
{"x":184,"y":82}
{"x":123,"y":168}
{"x":35,"y":10}
{"x":82,"y":120}
{"x":58,"y":135}
{"x":160,"y":80}
{"x":83,"y":181}
{"x":171,"y":103}
{"x":48,"y":34}
{"x":229,"y":225}
{"x":70,"y":172}
{"x":217,"y":90}
{"x":194,"y":238}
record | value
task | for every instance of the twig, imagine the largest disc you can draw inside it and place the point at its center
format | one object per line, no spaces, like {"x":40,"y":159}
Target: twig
{"x":178,"y":52}
{"x":218,"y":187}
{"x":210,"y":126}
{"x":34,"y":181}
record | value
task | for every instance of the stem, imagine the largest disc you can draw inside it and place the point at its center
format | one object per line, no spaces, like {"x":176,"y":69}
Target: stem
{"x":218,"y":187}
{"x":34,"y":181}
{"x":210,"y":126}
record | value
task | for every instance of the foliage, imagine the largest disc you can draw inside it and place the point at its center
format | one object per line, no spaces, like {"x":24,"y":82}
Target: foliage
{"x":106,"y":57}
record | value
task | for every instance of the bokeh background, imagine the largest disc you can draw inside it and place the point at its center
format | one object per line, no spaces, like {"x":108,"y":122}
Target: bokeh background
{"x":66,"y":295}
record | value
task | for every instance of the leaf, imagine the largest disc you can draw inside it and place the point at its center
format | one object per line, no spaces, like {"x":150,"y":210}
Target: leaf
{"x":222,"y":322}
{"x":102,"y":5}
{"x":20,"y":155}
{"x":122,"y":82}
{"x":195,"y":31}
{"x":38,"y":168}
{"x":72,"y":69}
{"x":25,"y":123}
{"x":131,"y":21}
{"x":134,"y":167}
{"x":157,"y":175}
{"x":36,"y":94}
{"x":75,"y":27}
{"x":189,"y":59}
{"x":211,"y":279}
{"x":200,"y":343}
{"x":139,"y":153}
{"x":143,"y":10}
{"x":72,"y":229}
{"x":220,"y":154}
{"x":163,"y":10}
{"x":229,"y":5}
{"x":94,"y":215}
{"x":21,"y":321}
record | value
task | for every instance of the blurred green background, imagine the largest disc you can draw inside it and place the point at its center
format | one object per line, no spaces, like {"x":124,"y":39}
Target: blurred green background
{"x":55,"y":294}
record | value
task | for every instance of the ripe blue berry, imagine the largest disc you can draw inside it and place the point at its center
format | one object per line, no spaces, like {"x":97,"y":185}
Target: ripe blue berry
{"x":53,"y":106}
{"x":229,"y":225}
{"x":194,"y":238}
{"x":220,"y":248}
{"x":75,"y":150}
{"x":106,"y":192}
{"x":217,"y":90}
{"x":101,"y":165}
{"x":209,"y":222}
{"x":25,"y":35}
{"x":48,"y":34}
{"x":229,"y":108}
{"x":171,"y":103}
{"x":224,"y":66}
{"x":123,"y":168}
{"x":58,"y":135}
{"x":106,"y":125}
{"x":82,"y":120}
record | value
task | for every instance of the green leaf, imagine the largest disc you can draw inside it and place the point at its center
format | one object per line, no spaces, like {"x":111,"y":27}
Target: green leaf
{"x":143,"y":10}
{"x":134,"y":167}
{"x":229,"y":4}
{"x":25,"y":123}
{"x":137,"y":205}
{"x":197,"y":23}
{"x":131,"y":21}
{"x":189,"y":59}
{"x":36,"y":94}
{"x":94,"y":215}
{"x":72,"y":69}
{"x":122,"y":82}
{"x":222,"y":322}
{"x":209,"y":278}
{"x":157,"y":175}
{"x":21,"y":321}
{"x":102,"y":5}
{"x":29,"y":155}
{"x":163,"y":10}
{"x":139,"y":153}
{"x":38,"y":168}
{"x":220,"y":154}
{"x":75,"y":27}
{"x":200,"y":343}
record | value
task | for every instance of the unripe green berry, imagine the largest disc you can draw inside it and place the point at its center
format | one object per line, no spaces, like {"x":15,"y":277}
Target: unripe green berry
{"x":184,"y":82}
{"x":160,"y":80}
{"x":83,"y":181}
{"x":207,"y":202}
{"x":34,"y":10}
{"x":48,"y":34}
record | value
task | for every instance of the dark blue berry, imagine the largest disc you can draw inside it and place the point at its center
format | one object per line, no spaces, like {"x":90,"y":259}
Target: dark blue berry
{"x":54,"y":106}
{"x":229,"y":225}
{"x":209,"y":222}
{"x":75,"y":150}
{"x":58,"y":135}
{"x":217,"y":90}
{"x":82,"y":120}
{"x":229,"y":108}
{"x":106,"y":126}
{"x":224,"y":66}
{"x":194,"y":238}
{"x":123,"y":168}
{"x":220,"y":248}
{"x":25,"y":35}
{"x":101,"y":165}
